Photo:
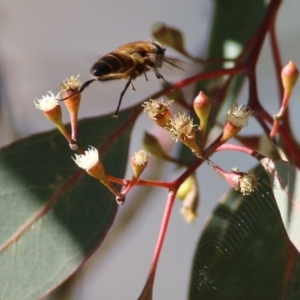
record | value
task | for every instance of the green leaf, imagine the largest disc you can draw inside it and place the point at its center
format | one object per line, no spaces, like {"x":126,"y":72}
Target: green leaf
{"x":38,"y":177}
{"x":285,"y":181}
{"x":244,"y":252}
{"x":235,"y":21}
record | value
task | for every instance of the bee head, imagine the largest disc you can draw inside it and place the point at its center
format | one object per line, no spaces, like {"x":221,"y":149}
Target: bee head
{"x":160,"y":50}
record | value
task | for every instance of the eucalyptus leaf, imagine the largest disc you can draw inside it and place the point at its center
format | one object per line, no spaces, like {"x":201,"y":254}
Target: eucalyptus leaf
{"x":285,"y":181}
{"x":244,"y":251}
{"x":53,"y":216}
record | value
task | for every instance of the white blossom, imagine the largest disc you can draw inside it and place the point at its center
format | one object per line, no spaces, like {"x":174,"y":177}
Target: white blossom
{"x":141,"y":157}
{"x":239,"y":115}
{"x":87,"y":160}
{"x":48,"y":102}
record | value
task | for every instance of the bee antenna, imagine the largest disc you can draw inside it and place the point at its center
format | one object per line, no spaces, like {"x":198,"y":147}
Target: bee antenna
{"x":115,"y":115}
{"x":82,"y":87}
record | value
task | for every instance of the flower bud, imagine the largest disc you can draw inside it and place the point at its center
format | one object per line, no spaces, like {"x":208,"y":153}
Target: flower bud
{"x":246,"y":183}
{"x":236,"y":118}
{"x":158,"y":111}
{"x":93,"y":166}
{"x":49,"y":104}
{"x":181,"y":128}
{"x":90,"y":162}
{"x":139,"y":162}
{"x":190,"y":141}
{"x":189,"y":194}
{"x":202,"y":107}
{"x":289,"y":76}
{"x":70,"y":87}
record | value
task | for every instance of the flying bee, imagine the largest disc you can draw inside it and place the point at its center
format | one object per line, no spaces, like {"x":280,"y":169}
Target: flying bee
{"x":128,"y":62}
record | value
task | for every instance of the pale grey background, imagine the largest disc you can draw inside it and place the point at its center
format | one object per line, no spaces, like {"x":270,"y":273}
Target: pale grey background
{"x":43,"y":42}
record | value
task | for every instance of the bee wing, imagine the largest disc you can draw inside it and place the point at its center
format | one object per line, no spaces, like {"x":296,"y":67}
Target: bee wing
{"x":168,"y":62}
{"x":174,"y":62}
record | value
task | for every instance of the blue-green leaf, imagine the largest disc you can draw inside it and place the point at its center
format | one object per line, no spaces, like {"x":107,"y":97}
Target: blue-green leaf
{"x":70,"y":212}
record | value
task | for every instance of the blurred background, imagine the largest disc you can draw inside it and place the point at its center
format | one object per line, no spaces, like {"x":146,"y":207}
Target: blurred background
{"x":43,"y":42}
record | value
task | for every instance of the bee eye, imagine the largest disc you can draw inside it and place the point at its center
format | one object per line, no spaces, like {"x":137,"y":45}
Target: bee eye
{"x":159,"y":49}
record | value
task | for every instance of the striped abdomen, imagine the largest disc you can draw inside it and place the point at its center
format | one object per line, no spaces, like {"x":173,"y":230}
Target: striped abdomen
{"x":115,"y":66}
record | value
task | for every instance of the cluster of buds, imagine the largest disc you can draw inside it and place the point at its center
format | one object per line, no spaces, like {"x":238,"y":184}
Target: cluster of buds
{"x":90,"y":162}
{"x":89,"y":159}
{"x":182,"y":128}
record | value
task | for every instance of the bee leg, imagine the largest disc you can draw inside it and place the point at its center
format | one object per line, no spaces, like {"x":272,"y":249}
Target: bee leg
{"x":146,"y":77}
{"x":159,"y":76}
{"x":132,"y":87}
{"x":82,"y":87}
{"x":86,"y":84}
{"x":121,"y":97}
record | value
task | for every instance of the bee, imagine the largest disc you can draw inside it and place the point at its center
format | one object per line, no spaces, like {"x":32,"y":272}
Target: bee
{"x":128,"y":62}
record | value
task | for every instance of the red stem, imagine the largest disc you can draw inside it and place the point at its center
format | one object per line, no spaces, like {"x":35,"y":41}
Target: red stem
{"x":226,"y":147}
{"x":261,"y":33}
{"x":276,"y":59}
{"x":291,"y":147}
{"x":140,"y":182}
{"x":147,"y":290}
